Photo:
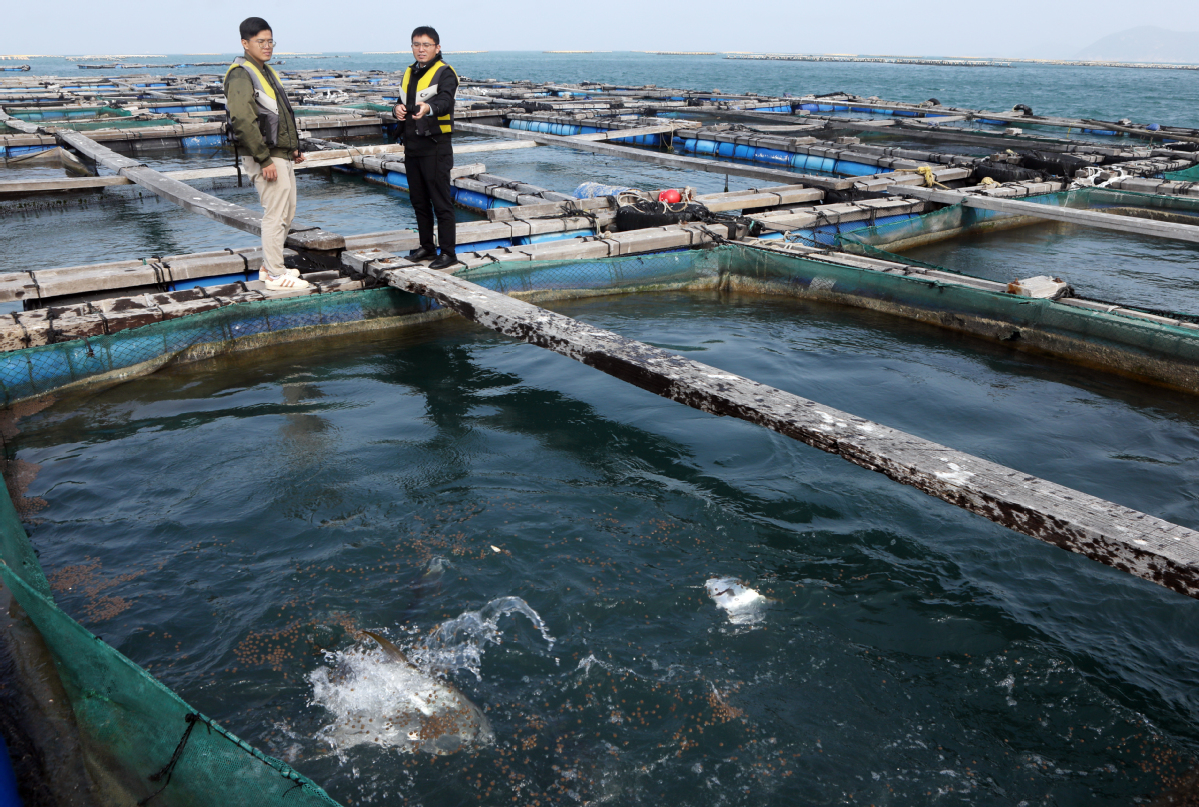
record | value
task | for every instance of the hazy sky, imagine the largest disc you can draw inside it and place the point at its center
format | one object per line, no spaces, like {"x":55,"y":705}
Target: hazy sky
{"x":1018,"y":28}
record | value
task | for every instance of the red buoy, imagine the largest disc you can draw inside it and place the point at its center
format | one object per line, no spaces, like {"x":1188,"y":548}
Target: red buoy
{"x":671,"y":197}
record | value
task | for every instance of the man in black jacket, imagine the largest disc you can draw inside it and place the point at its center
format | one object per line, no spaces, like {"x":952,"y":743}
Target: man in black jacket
{"x":426,"y":112}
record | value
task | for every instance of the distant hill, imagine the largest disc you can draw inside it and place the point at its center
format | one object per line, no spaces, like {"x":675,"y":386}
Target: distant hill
{"x":1147,"y":43}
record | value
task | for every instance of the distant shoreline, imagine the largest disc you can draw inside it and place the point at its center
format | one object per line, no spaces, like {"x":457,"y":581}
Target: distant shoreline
{"x":748,"y":55}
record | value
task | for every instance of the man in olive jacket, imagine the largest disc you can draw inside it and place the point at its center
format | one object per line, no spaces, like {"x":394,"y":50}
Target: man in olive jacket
{"x":426,"y":115}
{"x":263,"y":124}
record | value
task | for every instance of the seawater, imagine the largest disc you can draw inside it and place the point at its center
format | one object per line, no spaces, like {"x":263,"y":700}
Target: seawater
{"x":127,"y":224}
{"x":650,"y":604}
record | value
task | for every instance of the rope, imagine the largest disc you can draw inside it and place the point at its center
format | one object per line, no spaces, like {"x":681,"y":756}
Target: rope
{"x":168,"y":770}
{"x":930,"y":178}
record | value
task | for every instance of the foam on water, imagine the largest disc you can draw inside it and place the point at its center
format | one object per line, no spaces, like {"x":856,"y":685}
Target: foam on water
{"x":375,"y":699}
{"x":744,"y":605}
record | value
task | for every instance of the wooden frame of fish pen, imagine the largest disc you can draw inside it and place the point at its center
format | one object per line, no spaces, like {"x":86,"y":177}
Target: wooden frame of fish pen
{"x":820,"y":181}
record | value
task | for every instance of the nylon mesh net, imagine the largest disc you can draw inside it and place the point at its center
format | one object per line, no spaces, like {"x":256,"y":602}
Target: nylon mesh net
{"x":146,"y":744}
{"x":1185,"y":175}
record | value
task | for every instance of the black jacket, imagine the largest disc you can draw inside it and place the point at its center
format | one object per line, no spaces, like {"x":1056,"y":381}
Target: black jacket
{"x":424,"y":135}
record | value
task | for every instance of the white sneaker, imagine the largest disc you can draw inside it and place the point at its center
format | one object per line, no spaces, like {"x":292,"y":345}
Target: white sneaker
{"x":286,"y":283}
{"x":264,"y":273}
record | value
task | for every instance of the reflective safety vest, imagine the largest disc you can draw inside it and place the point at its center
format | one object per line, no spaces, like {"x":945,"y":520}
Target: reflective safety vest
{"x":264,"y":98}
{"x":426,"y":88}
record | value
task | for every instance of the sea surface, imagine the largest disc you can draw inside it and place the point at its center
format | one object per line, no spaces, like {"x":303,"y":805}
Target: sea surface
{"x":652,"y":606}
{"x":231,"y":524}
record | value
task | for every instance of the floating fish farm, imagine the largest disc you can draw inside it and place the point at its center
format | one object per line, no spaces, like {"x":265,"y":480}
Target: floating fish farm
{"x":848,"y":199}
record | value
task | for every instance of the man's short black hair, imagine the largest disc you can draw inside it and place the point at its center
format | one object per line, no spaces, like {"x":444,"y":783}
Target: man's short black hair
{"x":429,"y":31}
{"x":252,"y":26}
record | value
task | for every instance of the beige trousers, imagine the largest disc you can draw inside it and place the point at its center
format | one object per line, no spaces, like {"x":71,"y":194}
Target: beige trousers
{"x":279,"y":207}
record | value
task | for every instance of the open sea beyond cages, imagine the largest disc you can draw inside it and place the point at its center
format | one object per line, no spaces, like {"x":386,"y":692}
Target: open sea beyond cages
{"x":650,"y":604}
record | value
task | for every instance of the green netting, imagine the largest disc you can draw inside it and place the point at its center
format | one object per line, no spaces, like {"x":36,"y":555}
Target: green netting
{"x":114,"y":123}
{"x":886,"y":240}
{"x":1185,"y":175}
{"x":131,"y":726}
{"x":631,"y":271}
{"x":38,"y":370}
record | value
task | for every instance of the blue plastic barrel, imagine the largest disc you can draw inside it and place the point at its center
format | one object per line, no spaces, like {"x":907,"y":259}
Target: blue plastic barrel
{"x":180,"y":285}
{"x":471,"y":199}
{"x":763,"y":155}
{"x":542,"y":238}
{"x":479,"y":246}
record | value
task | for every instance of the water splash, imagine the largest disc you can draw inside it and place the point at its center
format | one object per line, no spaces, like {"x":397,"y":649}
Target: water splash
{"x":459,"y":643}
{"x":744,"y":605}
{"x":375,"y":699}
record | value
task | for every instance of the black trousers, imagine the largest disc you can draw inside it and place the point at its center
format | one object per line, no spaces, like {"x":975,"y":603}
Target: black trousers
{"x":432,"y":196}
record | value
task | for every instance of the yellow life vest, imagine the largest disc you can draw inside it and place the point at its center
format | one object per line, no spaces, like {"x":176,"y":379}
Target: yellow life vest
{"x":264,"y":98}
{"x":426,"y":88}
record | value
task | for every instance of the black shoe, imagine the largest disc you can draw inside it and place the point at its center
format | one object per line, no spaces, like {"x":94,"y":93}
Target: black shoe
{"x":443,"y":260}
{"x":420,"y":253}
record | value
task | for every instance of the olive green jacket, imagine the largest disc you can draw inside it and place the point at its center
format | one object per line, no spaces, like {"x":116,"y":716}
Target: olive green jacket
{"x":243,"y":118}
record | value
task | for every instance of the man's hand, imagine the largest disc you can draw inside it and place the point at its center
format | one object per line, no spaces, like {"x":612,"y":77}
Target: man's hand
{"x":400,"y":111}
{"x":269,"y":172}
{"x":298,"y":156}
{"x":422,"y":110}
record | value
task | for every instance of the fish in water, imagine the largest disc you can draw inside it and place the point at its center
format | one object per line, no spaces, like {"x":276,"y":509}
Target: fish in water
{"x":396,"y":704}
{"x":743,"y":604}
{"x":442,"y":719}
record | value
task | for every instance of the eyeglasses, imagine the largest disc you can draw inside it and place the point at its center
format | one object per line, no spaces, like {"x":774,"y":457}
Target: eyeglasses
{"x":264,"y":43}
{"x":423,"y":45}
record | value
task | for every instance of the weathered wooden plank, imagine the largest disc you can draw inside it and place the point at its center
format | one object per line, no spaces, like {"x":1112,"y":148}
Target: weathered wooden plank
{"x":17,"y":123}
{"x":616,"y":134}
{"x":476,"y":231}
{"x":1134,"y":542}
{"x":12,"y":188}
{"x":1158,"y":186}
{"x":551,"y":209}
{"x":881,"y":182}
{"x":478,"y":148}
{"x":803,"y":218}
{"x":303,"y":236}
{"x":759,"y":197}
{"x":1089,"y":218}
